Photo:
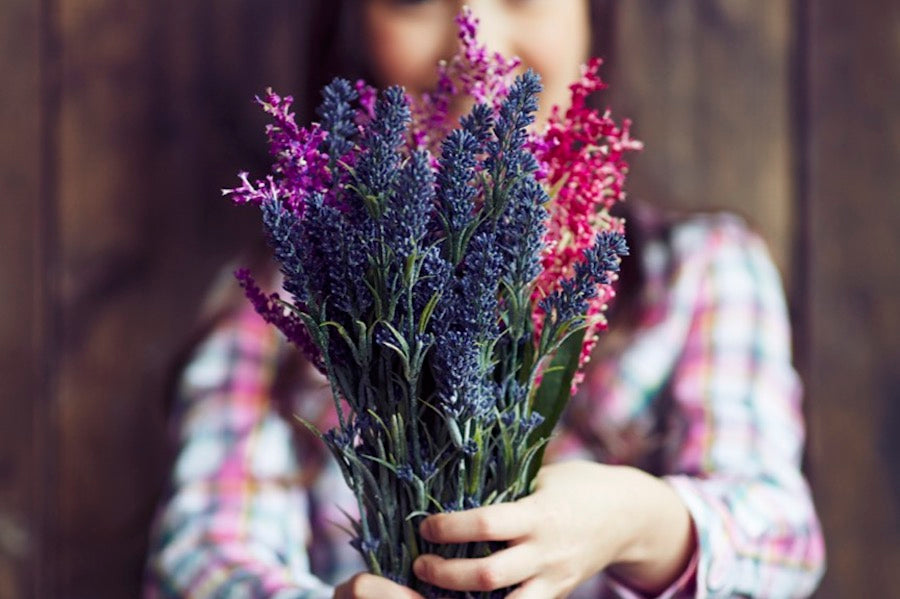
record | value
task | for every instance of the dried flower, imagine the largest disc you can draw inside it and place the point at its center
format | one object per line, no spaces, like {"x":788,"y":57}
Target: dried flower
{"x":434,"y":289}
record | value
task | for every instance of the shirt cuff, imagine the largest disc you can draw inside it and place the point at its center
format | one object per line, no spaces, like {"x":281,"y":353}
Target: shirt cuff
{"x":685,"y":583}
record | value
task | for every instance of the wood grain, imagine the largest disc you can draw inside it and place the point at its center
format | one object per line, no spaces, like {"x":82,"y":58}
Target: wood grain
{"x":21,"y":394}
{"x":706,"y":83}
{"x":120,"y":120}
{"x":854,"y":260}
{"x":156,"y":116}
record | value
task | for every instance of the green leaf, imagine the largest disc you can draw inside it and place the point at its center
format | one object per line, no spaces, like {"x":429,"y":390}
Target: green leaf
{"x":354,"y":521}
{"x":378,"y":419}
{"x":346,"y":337}
{"x":362,"y":346}
{"x":532,"y":463}
{"x":553,"y":394}
{"x":309,"y":425}
{"x":428,"y":311}
{"x":314,"y":331}
{"x":527,"y":362}
{"x":403,"y":350}
{"x":385,"y":463}
{"x":350,"y":533}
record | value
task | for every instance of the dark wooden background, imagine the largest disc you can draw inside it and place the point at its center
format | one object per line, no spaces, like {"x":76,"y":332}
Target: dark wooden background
{"x":120,"y":120}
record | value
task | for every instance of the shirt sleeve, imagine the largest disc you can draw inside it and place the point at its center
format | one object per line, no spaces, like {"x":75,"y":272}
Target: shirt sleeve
{"x":684,"y":584}
{"x":738,"y":466}
{"x":236,"y":523}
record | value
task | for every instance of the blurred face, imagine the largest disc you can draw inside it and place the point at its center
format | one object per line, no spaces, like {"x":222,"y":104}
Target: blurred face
{"x":407,"y":38}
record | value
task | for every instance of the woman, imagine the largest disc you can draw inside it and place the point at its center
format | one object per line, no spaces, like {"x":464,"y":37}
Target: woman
{"x":694,"y":386}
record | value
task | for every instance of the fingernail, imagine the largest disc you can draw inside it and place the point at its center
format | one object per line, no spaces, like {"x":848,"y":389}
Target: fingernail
{"x":419,"y":568}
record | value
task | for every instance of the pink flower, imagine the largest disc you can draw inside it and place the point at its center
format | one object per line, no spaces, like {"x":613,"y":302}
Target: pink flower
{"x":301,"y":167}
{"x":582,"y":157}
{"x":473,"y":72}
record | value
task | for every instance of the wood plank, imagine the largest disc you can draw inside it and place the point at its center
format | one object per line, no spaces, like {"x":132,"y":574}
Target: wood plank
{"x":156,"y":116}
{"x":706,"y":83}
{"x":21,"y":307}
{"x":854,"y":258}
{"x":106,"y":431}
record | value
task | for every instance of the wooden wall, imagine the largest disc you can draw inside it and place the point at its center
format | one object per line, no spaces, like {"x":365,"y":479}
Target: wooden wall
{"x":22,"y":325}
{"x":852,"y":299}
{"x":120,"y":120}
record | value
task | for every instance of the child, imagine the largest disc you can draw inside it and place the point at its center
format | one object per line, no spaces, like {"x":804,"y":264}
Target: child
{"x":675,"y":471}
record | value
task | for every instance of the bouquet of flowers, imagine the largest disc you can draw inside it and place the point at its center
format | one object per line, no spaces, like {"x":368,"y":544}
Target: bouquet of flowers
{"x":449,"y":280}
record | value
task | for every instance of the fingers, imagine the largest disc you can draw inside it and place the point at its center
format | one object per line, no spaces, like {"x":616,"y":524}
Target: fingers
{"x":369,"y":586}
{"x":535,"y":588}
{"x":501,"y":569}
{"x":500,"y":522}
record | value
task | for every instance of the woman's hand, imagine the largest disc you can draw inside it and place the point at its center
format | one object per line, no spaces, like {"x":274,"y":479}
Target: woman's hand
{"x":582,"y":518}
{"x":369,"y":586}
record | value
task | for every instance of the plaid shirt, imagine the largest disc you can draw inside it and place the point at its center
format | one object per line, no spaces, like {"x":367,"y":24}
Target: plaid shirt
{"x":248,"y":518}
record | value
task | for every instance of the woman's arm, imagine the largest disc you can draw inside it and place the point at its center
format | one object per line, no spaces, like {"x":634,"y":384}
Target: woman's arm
{"x":739,"y":467}
{"x":236,"y":523}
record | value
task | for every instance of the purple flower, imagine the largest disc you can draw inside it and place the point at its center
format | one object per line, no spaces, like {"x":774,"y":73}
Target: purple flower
{"x":338,"y":119}
{"x":521,"y":232}
{"x":335,"y":253}
{"x":473,"y":72}
{"x":301,"y":167}
{"x":433,"y":279}
{"x":272,"y":311}
{"x":479,"y":122}
{"x":381,"y":143}
{"x":283,"y":232}
{"x":409,"y":207}
{"x":479,"y":286}
{"x":570,"y":301}
{"x":456,"y":188}
{"x":508,"y":152}
{"x":460,"y":373}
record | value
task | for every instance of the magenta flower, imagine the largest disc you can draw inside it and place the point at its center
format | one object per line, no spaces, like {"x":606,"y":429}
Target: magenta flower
{"x":472,"y":74}
{"x":583,"y":156}
{"x":300,"y":166}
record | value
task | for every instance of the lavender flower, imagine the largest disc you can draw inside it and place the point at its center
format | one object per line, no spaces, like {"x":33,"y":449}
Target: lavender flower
{"x":521,"y":232}
{"x":412,"y":279}
{"x":479,"y":123}
{"x":433,"y":279}
{"x":460,"y":375}
{"x":272,"y":311}
{"x":339,"y":251}
{"x":508,"y":153}
{"x":283,"y":234}
{"x":456,"y":189}
{"x":377,"y":166}
{"x":410,"y":205}
{"x":569,"y":303}
{"x":338,"y":119}
{"x":478,"y":287}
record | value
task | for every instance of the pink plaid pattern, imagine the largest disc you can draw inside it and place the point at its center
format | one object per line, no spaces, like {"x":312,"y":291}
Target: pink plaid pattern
{"x":714,"y":342}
